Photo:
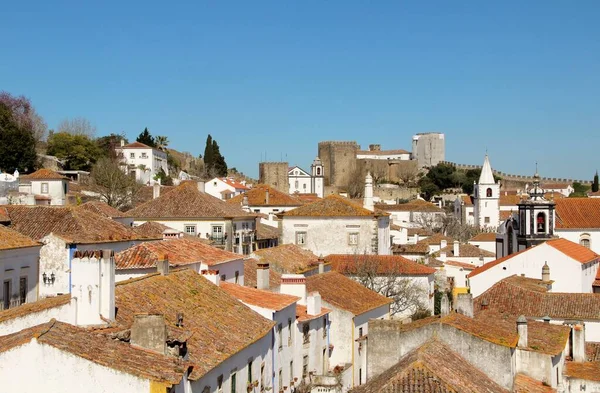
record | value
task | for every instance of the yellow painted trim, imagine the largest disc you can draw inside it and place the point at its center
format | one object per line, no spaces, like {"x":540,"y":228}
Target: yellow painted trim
{"x":159,"y":387}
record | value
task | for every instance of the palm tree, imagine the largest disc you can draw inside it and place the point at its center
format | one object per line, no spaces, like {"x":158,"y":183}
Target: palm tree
{"x":161,"y":142}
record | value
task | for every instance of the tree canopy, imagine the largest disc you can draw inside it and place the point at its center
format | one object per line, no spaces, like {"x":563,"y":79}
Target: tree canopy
{"x":146,"y":138}
{"x":443,"y":176}
{"x":214,"y":162}
{"x":595,"y":185}
{"x":78,"y":151}
{"x":17,"y":138}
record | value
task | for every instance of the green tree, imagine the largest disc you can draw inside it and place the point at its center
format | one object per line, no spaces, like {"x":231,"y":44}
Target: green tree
{"x":146,"y":138}
{"x":208,"y":154}
{"x":161,"y":142}
{"x":17,"y":143}
{"x":580,"y":190}
{"x":441,"y":175}
{"x":595,"y":185}
{"x":428,"y":188}
{"x":165,"y":180}
{"x":219,"y":164}
{"x":107,"y":144}
{"x":77,"y":150}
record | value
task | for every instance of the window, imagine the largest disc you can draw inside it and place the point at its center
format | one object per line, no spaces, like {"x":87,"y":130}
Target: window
{"x":237,"y":277}
{"x":131,"y":155}
{"x":233,"y":382}
{"x":324,"y":327}
{"x":304,"y":186}
{"x":304,"y":366}
{"x":250,"y":370}
{"x":291,"y":371}
{"x":280,"y":374}
{"x":360,"y":332}
{"x":144,"y":155}
{"x":318,"y":171}
{"x":486,"y":220}
{"x":301,"y":238}
{"x":6,"y":290}
{"x":360,"y":376}
{"x":296,"y":184}
{"x":280,"y":335}
{"x":353,"y":238}
{"x":22,"y":290}
{"x":470,"y":214}
{"x":305,"y":333}
{"x":584,"y":240}
{"x":220,"y":383}
{"x":488,"y":193}
{"x":289,"y":332}
{"x":262,"y":376}
{"x":223,"y":277}
{"x":190,"y":229}
{"x":541,"y":222}
{"x":44,"y":188}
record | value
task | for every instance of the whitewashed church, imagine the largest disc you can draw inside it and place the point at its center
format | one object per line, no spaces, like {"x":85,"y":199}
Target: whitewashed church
{"x":302,"y":182}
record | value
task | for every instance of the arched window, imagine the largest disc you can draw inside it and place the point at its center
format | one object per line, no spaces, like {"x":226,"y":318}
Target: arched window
{"x":318,"y":171}
{"x":541,"y":223}
{"x":584,"y":240}
{"x":488,"y":193}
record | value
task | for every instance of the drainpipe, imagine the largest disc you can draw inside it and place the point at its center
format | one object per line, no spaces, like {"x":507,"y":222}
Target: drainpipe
{"x":72,"y":248}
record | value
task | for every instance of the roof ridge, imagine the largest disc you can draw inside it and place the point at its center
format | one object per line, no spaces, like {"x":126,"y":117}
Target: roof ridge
{"x":48,"y":325}
{"x":136,"y":279}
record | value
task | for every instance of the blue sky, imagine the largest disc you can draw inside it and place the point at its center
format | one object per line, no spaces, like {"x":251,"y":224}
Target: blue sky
{"x":520,"y":78}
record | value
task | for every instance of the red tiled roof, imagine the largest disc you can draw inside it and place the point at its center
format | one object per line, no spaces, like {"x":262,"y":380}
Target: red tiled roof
{"x":505,"y":214}
{"x":235,"y":184}
{"x":44,"y":174}
{"x":100,"y":349}
{"x":179,"y":251}
{"x":221,"y":326}
{"x":467,"y":200}
{"x":573,"y":250}
{"x":431,"y":368}
{"x":577,"y":213}
{"x":345,"y":293}
{"x":136,"y":145}
{"x":331,"y":206}
{"x":466,"y":266}
{"x":260,"y":298}
{"x":417,"y":205}
{"x":485,"y":330}
{"x":250,"y":266}
{"x":495,"y":262}
{"x":525,"y":384}
{"x":306,"y":198}
{"x":589,"y":371}
{"x":186,"y":201}
{"x":264,"y":231}
{"x":10,"y":239}
{"x":484,"y":237}
{"x":381,"y":264}
{"x":34,"y":307}
{"x":71,"y":224}
{"x":466,"y":250}
{"x":302,"y":313}
{"x":509,"y":200}
{"x":422,"y":247}
{"x":288,"y":258}
{"x":102,"y":208}
{"x":525,"y":296}
{"x":257,"y":196}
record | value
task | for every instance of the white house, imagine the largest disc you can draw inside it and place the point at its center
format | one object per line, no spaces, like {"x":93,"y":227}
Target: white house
{"x":573,"y":267}
{"x":415,"y":214}
{"x":225,"y":187}
{"x":352,"y":306}
{"x":466,"y":253}
{"x":302,"y":182}
{"x":375,"y":153}
{"x":335,"y":225}
{"x":564,"y":189}
{"x":9,"y":184}
{"x":486,"y":241}
{"x":19,"y":268}
{"x":189,"y":209}
{"x":264,"y":199}
{"x":142,"y":161}
{"x":42,"y":187}
{"x":63,"y":231}
{"x":144,"y":258}
{"x":578,"y":220}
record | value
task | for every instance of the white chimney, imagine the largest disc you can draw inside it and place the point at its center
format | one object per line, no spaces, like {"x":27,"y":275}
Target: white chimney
{"x":245,"y":206}
{"x":522,"y":332}
{"x":201,"y":186}
{"x":295,"y":285}
{"x":456,"y":248}
{"x":321,"y":262}
{"x":313,"y":304}
{"x":107,"y":285}
{"x":122,"y":142}
{"x":416,"y":237}
{"x":262,"y":276}
{"x":443,"y":256}
{"x":579,"y":343}
{"x":155,"y":190}
{"x":443,"y":244}
{"x":212,"y":276}
{"x":368,"y":199}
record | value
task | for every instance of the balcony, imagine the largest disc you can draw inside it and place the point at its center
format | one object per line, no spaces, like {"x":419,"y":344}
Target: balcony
{"x":218,"y":240}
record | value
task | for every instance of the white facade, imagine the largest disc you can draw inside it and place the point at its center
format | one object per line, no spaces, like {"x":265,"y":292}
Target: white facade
{"x":484,"y":245}
{"x":302,"y":182}
{"x":42,"y":192}
{"x":399,"y":155}
{"x":142,"y":161}
{"x":19,"y":275}
{"x":224,"y":188}
{"x":567,"y":274}
{"x":585,"y":237}
{"x":486,"y":198}
{"x":338,"y":235}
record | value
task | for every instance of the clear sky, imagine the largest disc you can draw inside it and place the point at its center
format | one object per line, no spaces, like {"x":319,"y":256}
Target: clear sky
{"x":520,"y":78}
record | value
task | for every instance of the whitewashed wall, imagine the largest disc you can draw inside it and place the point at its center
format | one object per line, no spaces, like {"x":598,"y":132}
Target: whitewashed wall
{"x":65,"y":313}
{"x":21,"y":262}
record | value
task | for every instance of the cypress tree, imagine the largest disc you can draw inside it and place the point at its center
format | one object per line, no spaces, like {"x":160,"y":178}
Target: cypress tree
{"x":146,"y":138}
{"x":219,"y":161}
{"x":595,"y":185}
{"x":209,"y":158}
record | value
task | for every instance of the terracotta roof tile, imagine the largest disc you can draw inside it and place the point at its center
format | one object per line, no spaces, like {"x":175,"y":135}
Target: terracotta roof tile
{"x":44,"y":174}
{"x":484,"y":237}
{"x":179,"y":251}
{"x":102,"y":209}
{"x":331,"y":206}
{"x":250,"y":266}
{"x":34,"y":307}
{"x":466,"y":266}
{"x":223,"y":327}
{"x":422,"y":247}
{"x":417,"y":205}
{"x":233,"y":183}
{"x":100,"y":349}
{"x":186,"y":201}
{"x":466,"y":250}
{"x":264,"y":231}
{"x":135,"y":145}
{"x":525,"y":296}
{"x":260,"y":298}
{"x":573,"y":250}
{"x":509,"y":200}
{"x":580,"y":213}
{"x":467,"y":200}
{"x":419,"y":231}
{"x":288,"y":258}
{"x":495,"y":262}
{"x":151,"y":229}
{"x":146,"y":193}
{"x":306,"y":198}
{"x":302,"y":313}
{"x":10,"y":239}
{"x":382,"y":264}
{"x":485,"y":330}
{"x":592,"y":351}
{"x":525,"y":384}
{"x":4,"y":217}
{"x":505,"y":215}
{"x":257,"y":196}
{"x":589,"y":371}
{"x":72,"y":224}
{"x":431,"y":368}
{"x":345,"y":293}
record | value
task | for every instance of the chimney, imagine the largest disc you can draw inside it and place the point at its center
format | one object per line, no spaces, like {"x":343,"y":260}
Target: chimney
{"x":368,"y":199}
{"x":107,"y":285}
{"x":201,"y":186}
{"x":122,"y":142}
{"x":295,"y":285}
{"x":456,"y":248}
{"x":546,"y":272}
{"x":212,"y":276}
{"x":522,"y":331}
{"x":445,"y":305}
{"x":484,"y":304}
{"x":149,"y":331}
{"x":321,"y":264}
{"x":443,"y":244}
{"x":313,"y":304}
{"x":262,"y":276}
{"x":92,"y":285}
{"x":162,"y":265}
{"x":464,"y":304}
{"x":267,"y":196}
{"x":443,"y":256}
{"x":155,"y":190}
{"x":245,"y":205}
{"x":416,"y":237}
{"x":579,"y":343}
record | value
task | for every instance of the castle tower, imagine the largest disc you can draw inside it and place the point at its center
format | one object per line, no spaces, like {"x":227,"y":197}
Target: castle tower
{"x":486,"y":198}
{"x":317,"y":177}
{"x":536,"y":217}
{"x":274,"y":174}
